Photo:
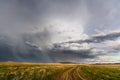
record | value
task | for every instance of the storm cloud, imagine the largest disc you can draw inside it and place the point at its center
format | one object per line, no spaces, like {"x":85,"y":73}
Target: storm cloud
{"x":58,"y":30}
{"x":98,"y":38}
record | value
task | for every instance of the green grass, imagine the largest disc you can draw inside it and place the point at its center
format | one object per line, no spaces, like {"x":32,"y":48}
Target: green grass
{"x":25,"y":71}
{"x":102,"y":72}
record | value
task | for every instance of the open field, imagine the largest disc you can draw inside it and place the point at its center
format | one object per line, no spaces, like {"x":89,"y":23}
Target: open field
{"x":28,"y":71}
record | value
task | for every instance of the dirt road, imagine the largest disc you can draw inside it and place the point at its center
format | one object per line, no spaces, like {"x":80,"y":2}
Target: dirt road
{"x":72,"y":73}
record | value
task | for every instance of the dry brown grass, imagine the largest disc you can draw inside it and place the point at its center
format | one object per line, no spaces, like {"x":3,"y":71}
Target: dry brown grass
{"x":58,"y":71}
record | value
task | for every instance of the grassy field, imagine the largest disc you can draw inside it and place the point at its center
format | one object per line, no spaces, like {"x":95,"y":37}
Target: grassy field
{"x":27,"y":71}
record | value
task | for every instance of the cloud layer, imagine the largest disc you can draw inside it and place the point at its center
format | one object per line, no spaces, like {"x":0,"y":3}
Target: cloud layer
{"x":59,"y":30}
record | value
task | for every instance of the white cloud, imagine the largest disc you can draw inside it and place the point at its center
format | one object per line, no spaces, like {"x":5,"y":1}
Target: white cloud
{"x":110,"y":59}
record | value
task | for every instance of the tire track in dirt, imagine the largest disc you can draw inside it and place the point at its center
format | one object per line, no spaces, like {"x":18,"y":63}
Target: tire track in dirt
{"x":78,"y":71}
{"x":72,"y":73}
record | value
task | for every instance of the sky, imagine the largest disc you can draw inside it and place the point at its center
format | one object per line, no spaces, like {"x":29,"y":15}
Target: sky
{"x":80,"y":31}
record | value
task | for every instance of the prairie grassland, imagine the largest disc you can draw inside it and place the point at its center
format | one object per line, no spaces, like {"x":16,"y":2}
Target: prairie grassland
{"x":28,"y":71}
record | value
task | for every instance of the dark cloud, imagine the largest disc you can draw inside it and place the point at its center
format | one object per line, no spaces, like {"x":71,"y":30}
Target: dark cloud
{"x":91,"y":52}
{"x":97,"y":38}
{"x":31,"y":51}
{"x":26,"y":33}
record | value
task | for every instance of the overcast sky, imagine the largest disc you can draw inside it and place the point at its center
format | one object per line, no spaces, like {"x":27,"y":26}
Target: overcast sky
{"x":60,"y":30}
